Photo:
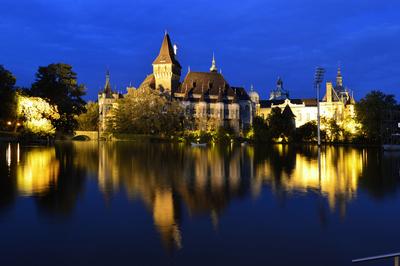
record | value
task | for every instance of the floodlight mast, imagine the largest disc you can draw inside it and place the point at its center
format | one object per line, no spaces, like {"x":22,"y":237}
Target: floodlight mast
{"x":319,"y":76}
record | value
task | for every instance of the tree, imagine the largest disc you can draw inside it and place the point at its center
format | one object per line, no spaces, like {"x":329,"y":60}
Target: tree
{"x":334,"y":131}
{"x":37,"y":115}
{"x":281,"y":124}
{"x":146,"y":111}
{"x":369,"y":111}
{"x":307,"y":132}
{"x":58,"y":84}
{"x":7,"y":96}
{"x":260,"y":130}
{"x":89,"y":120}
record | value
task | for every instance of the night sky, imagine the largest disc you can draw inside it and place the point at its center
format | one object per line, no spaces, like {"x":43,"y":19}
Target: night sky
{"x":254,"y":41}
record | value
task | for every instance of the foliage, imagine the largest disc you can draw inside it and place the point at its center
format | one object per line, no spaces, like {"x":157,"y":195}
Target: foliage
{"x":369,"y":112}
{"x":307,"y":132}
{"x":89,"y":120}
{"x":58,"y":84}
{"x":260,"y":130}
{"x":145,"y":111}
{"x":37,"y":115}
{"x":7,"y":96}
{"x":281,"y":124}
{"x":224,"y":134}
{"x":334,"y":132}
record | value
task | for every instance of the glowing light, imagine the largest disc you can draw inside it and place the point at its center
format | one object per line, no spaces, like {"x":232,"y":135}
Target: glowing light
{"x":37,"y":114}
{"x":9,"y":123}
{"x":38,"y":171}
{"x":8,"y":154}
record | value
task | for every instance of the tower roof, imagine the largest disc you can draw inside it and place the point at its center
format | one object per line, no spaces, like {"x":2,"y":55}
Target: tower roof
{"x":213,"y":67}
{"x":287,"y":111}
{"x":166,"y":55}
{"x":339,"y":78}
{"x":107,"y":86}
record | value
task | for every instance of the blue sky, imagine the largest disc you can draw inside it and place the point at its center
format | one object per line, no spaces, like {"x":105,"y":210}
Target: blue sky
{"x":254,"y":41}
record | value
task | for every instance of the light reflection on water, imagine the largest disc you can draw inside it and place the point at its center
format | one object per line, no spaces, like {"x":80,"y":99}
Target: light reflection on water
{"x":203,"y":181}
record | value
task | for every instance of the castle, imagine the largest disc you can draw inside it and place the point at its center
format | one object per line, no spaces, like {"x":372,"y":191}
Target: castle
{"x":338,"y":104}
{"x":207,"y":96}
{"x":204,"y":95}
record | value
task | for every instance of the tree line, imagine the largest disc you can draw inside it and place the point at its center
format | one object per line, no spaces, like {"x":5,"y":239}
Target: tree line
{"x":54,"y":105}
{"x":51,"y":105}
{"x":366,"y":125}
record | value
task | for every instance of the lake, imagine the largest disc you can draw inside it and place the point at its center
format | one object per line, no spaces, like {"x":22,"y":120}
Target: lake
{"x":126,"y":203}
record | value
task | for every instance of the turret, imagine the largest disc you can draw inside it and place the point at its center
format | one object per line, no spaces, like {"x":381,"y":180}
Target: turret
{"x":213,"y":67}
{"x":166,"y":68}
{"x":339,"y":78}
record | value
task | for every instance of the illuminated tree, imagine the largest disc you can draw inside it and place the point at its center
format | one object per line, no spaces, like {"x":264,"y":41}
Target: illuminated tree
{"x":37,"y":115}
{"x":58,"y":84}
{"x":89,"y":120}
{"x":146,"y":111}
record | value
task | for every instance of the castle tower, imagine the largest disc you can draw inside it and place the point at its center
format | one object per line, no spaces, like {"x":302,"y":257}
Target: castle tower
{"x":107,"y":100}
{"x":166,"y":69}
{"x":339,"y":78}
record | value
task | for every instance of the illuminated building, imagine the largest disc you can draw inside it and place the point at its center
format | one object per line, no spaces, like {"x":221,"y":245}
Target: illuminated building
{"x":204,"y":95}
{"x":338,"y":104}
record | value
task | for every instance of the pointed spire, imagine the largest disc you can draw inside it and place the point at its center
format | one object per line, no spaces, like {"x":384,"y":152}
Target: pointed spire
{"x":279,"y":83}
{"x":251,"y":87}
{"x":339,"y":78}
{"x":213,"y":67}
{"x":107,"y":86}
{"x":188,"y":69}
{"x":166,"y":54}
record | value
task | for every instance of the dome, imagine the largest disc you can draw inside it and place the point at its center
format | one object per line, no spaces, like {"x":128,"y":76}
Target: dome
{"x":254,"y":97}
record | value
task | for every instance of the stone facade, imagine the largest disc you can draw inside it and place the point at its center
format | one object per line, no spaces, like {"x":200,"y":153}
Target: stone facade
{"x":338,"y":104}
{"x":207,"y":96}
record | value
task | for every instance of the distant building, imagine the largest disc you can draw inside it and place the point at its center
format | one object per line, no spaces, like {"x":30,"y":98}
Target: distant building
{"x":205,"y":95}
{"x":279,"y":93}
{"x":338,"y":103}
{"x":107,"y":101}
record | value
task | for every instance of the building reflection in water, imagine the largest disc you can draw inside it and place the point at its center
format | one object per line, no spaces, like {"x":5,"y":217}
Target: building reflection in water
{"x":168,"y":177}
{"x":297,"y":170}
{"x":171,"y":179}
{"x":36,"y":172}
{"x":204,"y":180}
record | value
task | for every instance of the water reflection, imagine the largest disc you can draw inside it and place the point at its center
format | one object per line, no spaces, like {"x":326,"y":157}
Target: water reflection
{"x":38,"y":171}
{"x":287,"y":169}
{"x":172,"y":179}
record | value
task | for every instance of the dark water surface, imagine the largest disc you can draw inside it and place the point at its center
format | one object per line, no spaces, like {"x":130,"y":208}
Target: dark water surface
{"x":89,"y":203}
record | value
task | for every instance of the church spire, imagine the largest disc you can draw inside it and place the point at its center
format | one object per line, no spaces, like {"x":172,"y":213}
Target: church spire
{"x":339,"y":78}
{"x":107,"y":86}
{"x":213,"y":67}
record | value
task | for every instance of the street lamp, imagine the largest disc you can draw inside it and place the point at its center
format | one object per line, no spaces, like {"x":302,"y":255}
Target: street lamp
{"x":319,"y":76}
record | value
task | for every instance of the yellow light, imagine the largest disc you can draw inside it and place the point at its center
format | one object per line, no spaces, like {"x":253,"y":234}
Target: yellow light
{"x":9,"y":123}
{"x":38,"y":172}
